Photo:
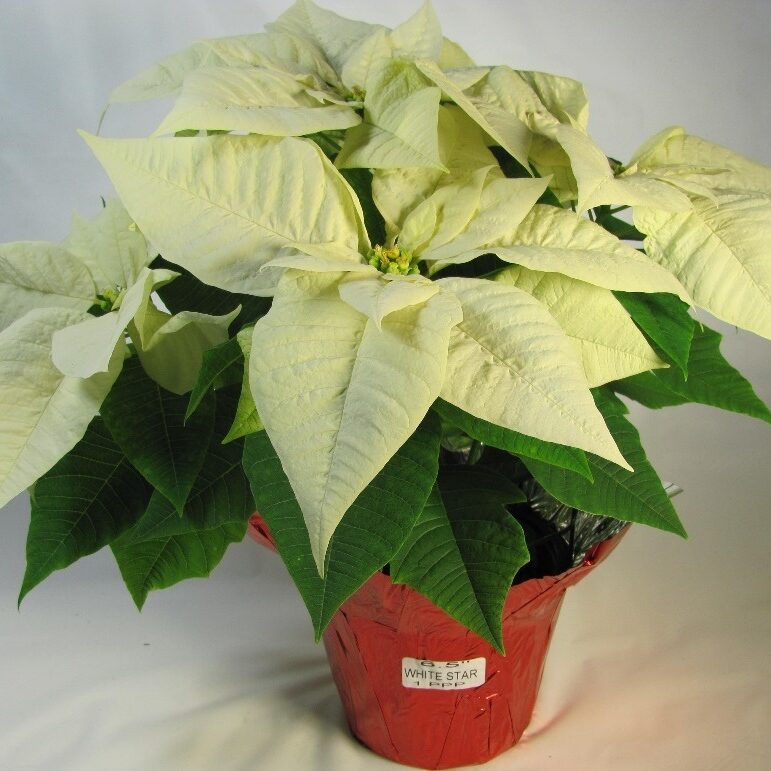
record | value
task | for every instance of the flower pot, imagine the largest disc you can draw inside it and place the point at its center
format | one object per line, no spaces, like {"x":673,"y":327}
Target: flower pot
{"x":419,"y":688}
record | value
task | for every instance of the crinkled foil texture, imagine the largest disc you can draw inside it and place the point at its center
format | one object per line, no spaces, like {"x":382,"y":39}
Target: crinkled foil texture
{"x":384,"y":622}
{"x":580,"y":530}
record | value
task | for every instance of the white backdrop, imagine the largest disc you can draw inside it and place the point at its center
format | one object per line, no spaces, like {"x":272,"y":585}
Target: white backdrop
{"x":660,"y":658}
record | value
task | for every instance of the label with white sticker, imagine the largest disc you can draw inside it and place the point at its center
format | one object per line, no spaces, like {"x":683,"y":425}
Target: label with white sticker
{"x":443,"y":675}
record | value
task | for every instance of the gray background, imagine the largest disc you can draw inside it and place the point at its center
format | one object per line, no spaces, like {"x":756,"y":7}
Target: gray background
{"x":660,"y":656}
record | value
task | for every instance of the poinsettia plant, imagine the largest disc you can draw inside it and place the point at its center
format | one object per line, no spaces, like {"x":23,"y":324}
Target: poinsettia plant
{"x":346,"y":257}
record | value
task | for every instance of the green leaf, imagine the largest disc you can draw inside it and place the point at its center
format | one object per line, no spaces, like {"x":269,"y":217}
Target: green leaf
{"x":222,"y":365}
{"x":360,"y":181}
{"x":570,"y":458}
{"x":163,"y":548}
{"x":631,"y":496}
{"x":187,"y":293}
{"x":247,"y":420}
{"x":665,"y":321}
{"x":370,"y":533}
{"x":148,"y":424}
{"x":620,"y":229}
{"x":91,"y":496}
{"x":465,"y":549}
{"x":711,"y":381}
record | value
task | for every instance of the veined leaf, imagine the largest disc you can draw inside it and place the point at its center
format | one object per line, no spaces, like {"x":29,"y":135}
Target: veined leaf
{"x":280,"y":50}
{"x":258,"y":100}
{"x":85,"y":501}
{"x":691,"y":158}
{"x":335,"y":35}
{"x":163,"y":548}
{"x":559,"y":241}
{"x":607,"y":340}
{"x":564,"y":98}
{"x":506,"y":129}
{"x":148,"y":424}
{"x":376,"y":297}
{"x":401,"y":113}
{"x":711,"y":380}
{"x":357,"y":392}
{"x":444,"y":215}
{"x":665,"y":320}
{"x":513,"y":442}
{"x":511,"y":364}
{"x":503,"y":205}
{"x":369,"y":534}
{"x":36,"y":274}
{"x":364,"y":58}
{"x":420,"y":37}
{"x":465,"y":549}
{"x":319,"y":261}
{"x":111,"y":246}
{"x":597,"y":186}
{"x":462,"y":150}
{"x":43,"y":413}
{"x":718,"y":251}
{"x":631,"y":496}
{"x":374,"y":46}
{"x":223,"y":206}
{"x":223,"y":363}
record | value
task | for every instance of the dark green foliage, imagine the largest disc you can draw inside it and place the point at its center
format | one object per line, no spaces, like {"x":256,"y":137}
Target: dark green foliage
{"x":148,"y":424}
{"x":513,"y":442}
{"x":163,"y":548}
{"x":361,"y":182}
{"x":664,"y":320}
{"x":711,"y":381}
{"x":86,"y":500}
{"x":636,"y":496}
{"x":187,"y":293}
{"x":222,"y":365}
{"x":466,"y":548}
{"x":369,"y":534}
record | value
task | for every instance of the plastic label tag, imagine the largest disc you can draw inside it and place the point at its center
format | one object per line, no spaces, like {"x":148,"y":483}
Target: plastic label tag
{"x":443,"y":675}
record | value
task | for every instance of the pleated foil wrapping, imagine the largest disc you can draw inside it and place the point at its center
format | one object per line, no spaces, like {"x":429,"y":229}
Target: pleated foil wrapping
{"x":384,"y":623}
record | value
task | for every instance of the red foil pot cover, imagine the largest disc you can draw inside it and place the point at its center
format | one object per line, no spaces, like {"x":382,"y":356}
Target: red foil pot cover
{"x":421,"y":689}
